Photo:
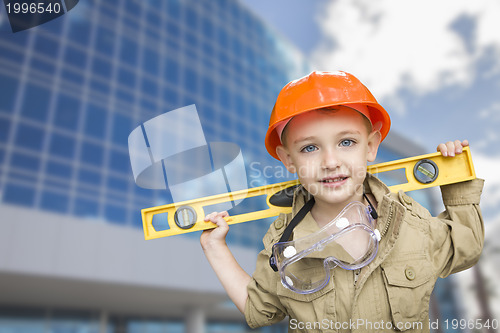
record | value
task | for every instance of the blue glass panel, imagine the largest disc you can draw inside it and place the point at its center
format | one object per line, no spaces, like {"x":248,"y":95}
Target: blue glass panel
{"x":122,"y":126}
{"x":25,"y":162}
{"x":47,"y":66}
{"x":105,"y":41}
{"x":66,"y":114}
{"x":190,"y":80}
{"x":75,"y":57}
{"x":54,"y":201}
{"x":208,"y":89}
{"x":62,"y":145}
{"x":150,"y":61}
{"x":29,"y":137}
{"x":120,"y":162}
{"x":57,"y":169}
{"x":173,"y":9}
{"x":19,"y":194}
{"x":86,"y":207}
{"x":89,"y":177}
{"x":149,"y":87}
{"x":171,"y":70}
{"x":4,"y":129}
{"x":170,"y":96}
{"x":72,"y":76}
{"x":126,"y":78}
{"x":128,"y":51}
{"x":116,"y":214}
{"x":125,"y":96}
{"x":8,"y":87}
{"x":102,"y":67}
{"x":117,"y":184}
{"x":95,"y":121}
{"x":46,"y":47}
{"x":92,"y":154}
{"x":36,"y":102}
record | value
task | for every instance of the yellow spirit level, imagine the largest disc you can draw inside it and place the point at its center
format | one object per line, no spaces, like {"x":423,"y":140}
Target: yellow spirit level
{"x":421,"y":172}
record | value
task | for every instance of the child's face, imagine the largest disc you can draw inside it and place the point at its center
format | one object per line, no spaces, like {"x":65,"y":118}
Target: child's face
{"x":329,"y":150}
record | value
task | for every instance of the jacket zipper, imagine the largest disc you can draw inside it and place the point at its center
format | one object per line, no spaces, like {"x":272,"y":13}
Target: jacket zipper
{"x":389,"y":220}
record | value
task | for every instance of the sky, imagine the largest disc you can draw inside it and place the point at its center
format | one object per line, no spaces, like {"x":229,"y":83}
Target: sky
{"x":434,"y":65}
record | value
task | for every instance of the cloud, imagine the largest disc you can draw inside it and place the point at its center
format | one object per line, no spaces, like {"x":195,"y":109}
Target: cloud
{"x":486,"y":167}
{"x":422,"y":46}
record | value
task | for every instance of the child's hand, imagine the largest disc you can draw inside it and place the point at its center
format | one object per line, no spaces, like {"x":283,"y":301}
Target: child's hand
{"x":451,"y":148}
{"x":218,"y":234}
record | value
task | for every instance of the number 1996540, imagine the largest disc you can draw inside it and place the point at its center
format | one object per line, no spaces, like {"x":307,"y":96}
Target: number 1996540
{"x":33,"y":8}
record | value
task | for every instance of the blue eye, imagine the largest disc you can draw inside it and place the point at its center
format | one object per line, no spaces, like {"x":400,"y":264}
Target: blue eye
{"x":346,"y":143}
{"x":308,"y":149}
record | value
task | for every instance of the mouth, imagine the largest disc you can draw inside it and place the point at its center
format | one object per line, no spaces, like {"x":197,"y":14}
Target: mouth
{"x":333,"y":180}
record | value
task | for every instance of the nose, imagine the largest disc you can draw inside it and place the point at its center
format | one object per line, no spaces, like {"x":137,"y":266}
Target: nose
{"x":329,"y":160}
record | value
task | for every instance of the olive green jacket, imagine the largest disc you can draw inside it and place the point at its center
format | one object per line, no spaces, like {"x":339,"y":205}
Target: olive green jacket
{"x":393,"y":291}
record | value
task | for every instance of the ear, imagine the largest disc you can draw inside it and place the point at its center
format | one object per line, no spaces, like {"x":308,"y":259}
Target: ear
{"x":374,"y":139}
{"x":285,"y":158}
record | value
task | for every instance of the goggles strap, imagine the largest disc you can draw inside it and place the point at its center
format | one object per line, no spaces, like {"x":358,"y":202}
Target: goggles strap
{"x":373,"y":212}
{"x":288,"y":231}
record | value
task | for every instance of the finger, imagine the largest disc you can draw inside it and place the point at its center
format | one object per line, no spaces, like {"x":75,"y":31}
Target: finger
{"x":442,"y":148}
{"x":458,"y":146}
{"x":465,"y":143}
{"x":210,"y":216}
{"x":450,"y":147}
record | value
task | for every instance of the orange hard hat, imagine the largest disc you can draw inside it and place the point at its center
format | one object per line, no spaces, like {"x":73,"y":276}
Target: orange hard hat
{"x":319,"y":90}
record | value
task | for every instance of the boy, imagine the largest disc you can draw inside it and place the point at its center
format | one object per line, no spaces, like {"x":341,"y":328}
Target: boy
{"x":326,"y":127}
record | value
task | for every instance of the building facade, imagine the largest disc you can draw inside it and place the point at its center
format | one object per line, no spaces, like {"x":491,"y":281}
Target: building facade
{"x":73,"y":255}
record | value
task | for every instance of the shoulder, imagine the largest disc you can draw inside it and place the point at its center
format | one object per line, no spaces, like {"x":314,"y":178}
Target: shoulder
{"x":412,"y":206}
{"x":275,"y":231}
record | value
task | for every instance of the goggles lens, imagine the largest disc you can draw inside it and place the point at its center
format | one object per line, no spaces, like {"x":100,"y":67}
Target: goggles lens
{"x":347,"y":241}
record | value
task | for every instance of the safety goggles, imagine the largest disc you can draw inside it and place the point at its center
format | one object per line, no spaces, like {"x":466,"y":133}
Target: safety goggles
{"x":349,"y":241}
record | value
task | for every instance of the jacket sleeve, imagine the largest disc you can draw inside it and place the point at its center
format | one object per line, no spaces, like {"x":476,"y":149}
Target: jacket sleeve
{"x":458,"y":235}
{"x":263,"y":306}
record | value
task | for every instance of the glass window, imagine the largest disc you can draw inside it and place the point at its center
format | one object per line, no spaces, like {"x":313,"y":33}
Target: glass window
{"x":207,"y":28}
{"x":190,"y":80}
{"x":102,"y":67}
{"x":105,"y":41}
{"x":173,"y":9}
{"x":128,"y":51}
{"x":54,"y":201}
{"x":119,"y":184}
{"x":73,"y":76}
{"x":132,"y":7}
{"x":151,"y":61}
{"x":25,"y":162}
{"x":89,"y":177}
{"x":47,"y":47}
{"x":170,"y":96}
{"x":57,"y":169}
{"x":66,"y":114}
{"x":125,"y":97}
{"x":86,"y":207}
{"x":122,"y":126}
{"x":4,"y":129}
{"x":95,"y":121}
{"x":126,"y":78}
{"x":47,"y":66}
{"x":100,"y":86}
{"x":149,"y":87}
{"x":19,"y":194}
{"x":29,"y":137}
{"x":75,"y":57}
{"x":119,"y":162}
{"x":115,"y":214}
{"x":208,"y":88}
{"x":8,"y":87}
{"x":225,"y":98}
{"x":62,"y":145}
{"x":36,"y":103}
{"x":171,"y":70}
{"x":92,"y":154}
